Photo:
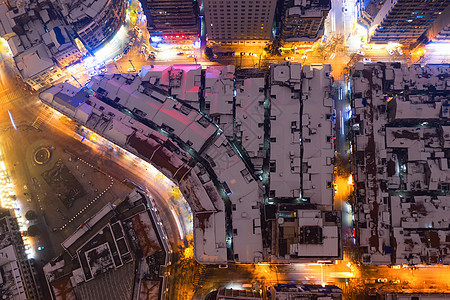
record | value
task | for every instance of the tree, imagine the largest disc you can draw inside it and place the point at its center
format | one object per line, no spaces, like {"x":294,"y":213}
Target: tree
{"x":273,"y":48}
{"x":33,"y":230}
{"x":209,"y":53}
{"x":30,"y":215}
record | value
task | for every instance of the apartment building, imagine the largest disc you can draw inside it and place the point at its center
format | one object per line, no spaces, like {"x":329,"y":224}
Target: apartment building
{"x":303,"y":20}
{"x":404,"y":21}
{"x":245,"y":22}
{"x":172,"y":20}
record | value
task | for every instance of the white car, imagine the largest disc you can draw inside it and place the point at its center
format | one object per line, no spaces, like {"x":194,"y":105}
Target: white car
{"x":289,"y":58}
{"x":367,"y":60}
{"x":189,"y":52}
{"x":400,"y":51}
{"x":131,"y":70}
{"x":360,"y":52}
{"x":390,"y":51}
{"x":117,"y":57}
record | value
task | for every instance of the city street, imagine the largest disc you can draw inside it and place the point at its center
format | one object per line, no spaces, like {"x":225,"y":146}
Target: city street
{"x":100,"y":167}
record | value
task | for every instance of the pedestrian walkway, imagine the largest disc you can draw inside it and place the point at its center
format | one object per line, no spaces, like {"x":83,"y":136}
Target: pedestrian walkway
{"x":199,"y":276}
{"x":45,"y":116}
{"x":8,"y":95}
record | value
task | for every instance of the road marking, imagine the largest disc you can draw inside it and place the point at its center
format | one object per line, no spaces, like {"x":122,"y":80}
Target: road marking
{"x":12,"y":95}
{"x":45,"y":116}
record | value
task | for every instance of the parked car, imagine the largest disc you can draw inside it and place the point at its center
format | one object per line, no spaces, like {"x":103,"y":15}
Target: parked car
{"x":131,"y":70}
{"x":390,"y":51}
{"x":289,"y":58}
{"x":139,"y":31}
{"x":189,"y":52}
{"x":117,"y":57}
{"x":400,"y":51}
{"x":180,"y":53}
{"x":360,"y":52}
{"x":367,"y":60}
{"x":125,"y":51}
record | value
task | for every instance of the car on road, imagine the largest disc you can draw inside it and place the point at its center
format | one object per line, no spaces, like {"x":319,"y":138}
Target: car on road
{"x":191,"y":56}
{"x":367,"y":60}
{"x":117,"y":57}
{"x":369,"y":281}
{"x":253,"y":54}
{"x":382,"y":280}
{"x":400,"y":51}
{"x":180,"y":53}
{"x":139,"y":31}
{"x":360,"y":52}
{"x":131,"y":70}
{"x":289,"y":58}
{"x":125,"y":51}
{"x":189,"y":52}
{"x":151,"y":56}
{"x":390,"y":51}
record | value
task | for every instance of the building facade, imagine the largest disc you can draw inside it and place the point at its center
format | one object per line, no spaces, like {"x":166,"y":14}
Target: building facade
{"x":404,"y":20}
{"x":17,"y":272}
{"x":95,"y":22}
{"x":168,"y":20}
{"x":233,"y":22}
{"x":304,"y":20}
{"x":305,"y":291}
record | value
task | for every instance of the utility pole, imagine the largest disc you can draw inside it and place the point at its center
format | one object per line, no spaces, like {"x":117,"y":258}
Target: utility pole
{"x":132,"y":64}
{"x":76,"y":80}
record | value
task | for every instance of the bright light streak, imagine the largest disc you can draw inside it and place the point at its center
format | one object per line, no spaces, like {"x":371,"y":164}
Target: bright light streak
{"x":350,"y":179}
{"x":12,"y":120}
{"x":439,"y":48}
{"x":180,"y":229}
{"x":108,"y":50}
{"x":342,"y":188}
{"x":156,"y":39}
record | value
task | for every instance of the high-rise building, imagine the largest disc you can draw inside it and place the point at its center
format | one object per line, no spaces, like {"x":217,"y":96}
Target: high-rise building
{"x":440,"y":30}
{"x":233,"y":22}
{"x":303,"y":20}
{"x":172,"y":19}
{"x":404,"y":20}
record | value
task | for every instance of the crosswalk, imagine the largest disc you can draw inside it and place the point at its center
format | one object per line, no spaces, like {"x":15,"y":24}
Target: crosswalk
{"x":45,"y":116}
{"x":7,"y":96}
